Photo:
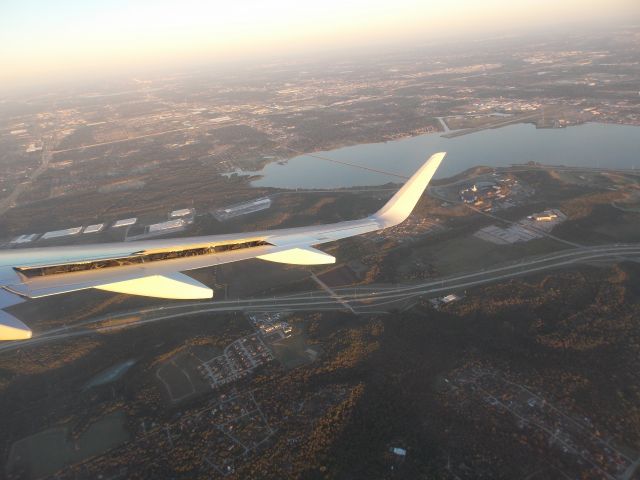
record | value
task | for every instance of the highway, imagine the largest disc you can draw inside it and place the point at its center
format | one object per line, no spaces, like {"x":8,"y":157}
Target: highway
{"x":9,"y":202}
{"x":368,"y":299}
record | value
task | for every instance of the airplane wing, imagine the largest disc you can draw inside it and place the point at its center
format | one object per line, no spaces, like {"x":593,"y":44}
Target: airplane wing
{"x":153,"y":268}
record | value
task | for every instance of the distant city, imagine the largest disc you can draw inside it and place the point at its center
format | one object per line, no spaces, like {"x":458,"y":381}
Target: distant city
{"x":98,"y":149}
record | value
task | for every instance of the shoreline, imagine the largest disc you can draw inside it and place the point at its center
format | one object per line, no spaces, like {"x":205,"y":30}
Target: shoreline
{"x":259,"y":176}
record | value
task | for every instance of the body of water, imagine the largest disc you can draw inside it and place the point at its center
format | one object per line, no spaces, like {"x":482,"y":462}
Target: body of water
{"x":110,"y":375}
{"x":588,"y":145}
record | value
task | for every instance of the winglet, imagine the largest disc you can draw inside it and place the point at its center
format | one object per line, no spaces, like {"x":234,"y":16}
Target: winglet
{"x":400,"y":206}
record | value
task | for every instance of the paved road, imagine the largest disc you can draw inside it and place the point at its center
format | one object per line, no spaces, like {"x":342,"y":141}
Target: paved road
{"x":8,"y":202}
{"x":363,"y":299}
{"x":332,"y":294}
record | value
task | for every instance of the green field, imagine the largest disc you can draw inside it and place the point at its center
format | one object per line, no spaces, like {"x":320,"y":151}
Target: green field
{"x":463,"y":254}
{"x":294,"y":351}
{"x":179,"y":375}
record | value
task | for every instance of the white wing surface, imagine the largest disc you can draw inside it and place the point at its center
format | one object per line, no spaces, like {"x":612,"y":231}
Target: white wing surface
{"x":152,"y":268}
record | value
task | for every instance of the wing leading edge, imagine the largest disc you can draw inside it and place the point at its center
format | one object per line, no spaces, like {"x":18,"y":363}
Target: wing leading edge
{"x":152,"y":268}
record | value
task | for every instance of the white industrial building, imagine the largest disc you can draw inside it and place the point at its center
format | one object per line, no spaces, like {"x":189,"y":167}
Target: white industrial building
{"x":243,"y":208}
{"x":546,"y":216}
{"x":94,"y":228}
{"x":169,"y":225}
{"x":440,"y":301}
{"x":248,"y":206}
{"x":450,"y":298}
{"x":62,"y":233}
{"x":124,"y":222}
{"x":184,"y":212}
{"x":27,"y":238}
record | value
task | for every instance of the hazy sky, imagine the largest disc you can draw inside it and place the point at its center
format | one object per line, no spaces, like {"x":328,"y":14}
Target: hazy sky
{"x":42,"y":39}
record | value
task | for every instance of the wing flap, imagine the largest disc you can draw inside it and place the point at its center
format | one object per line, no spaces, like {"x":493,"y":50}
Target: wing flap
{"x":70,"y":282}
{"x":299,"y":256}
{"x":174,"y":286}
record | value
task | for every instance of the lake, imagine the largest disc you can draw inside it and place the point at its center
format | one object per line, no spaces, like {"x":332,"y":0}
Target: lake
{"x":588,"y":145}
{"x":110,"y":375}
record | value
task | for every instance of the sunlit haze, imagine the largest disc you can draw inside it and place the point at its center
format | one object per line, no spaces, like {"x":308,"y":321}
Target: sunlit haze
{"x":41,"y":39}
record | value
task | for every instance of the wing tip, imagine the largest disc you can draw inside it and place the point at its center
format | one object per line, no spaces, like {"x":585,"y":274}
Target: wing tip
{"x":400,"y":206}
{"x":436,"y":158}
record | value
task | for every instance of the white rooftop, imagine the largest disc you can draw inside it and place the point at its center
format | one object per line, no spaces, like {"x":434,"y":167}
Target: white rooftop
{"x":181,"y":213}
{"x":450,"y":298}
{"x":26,"y":238}
{"x":94,"y":228}
{"x":166,"y":225}
{"x":242,"y":206}
{"x":124,"y":222}
{"x":62,"y":233}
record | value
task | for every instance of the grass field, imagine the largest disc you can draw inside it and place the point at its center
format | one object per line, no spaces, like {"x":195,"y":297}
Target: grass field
{"x":468,"y":253}
{"x":179,"y":375}
{"x":294,"y":351}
